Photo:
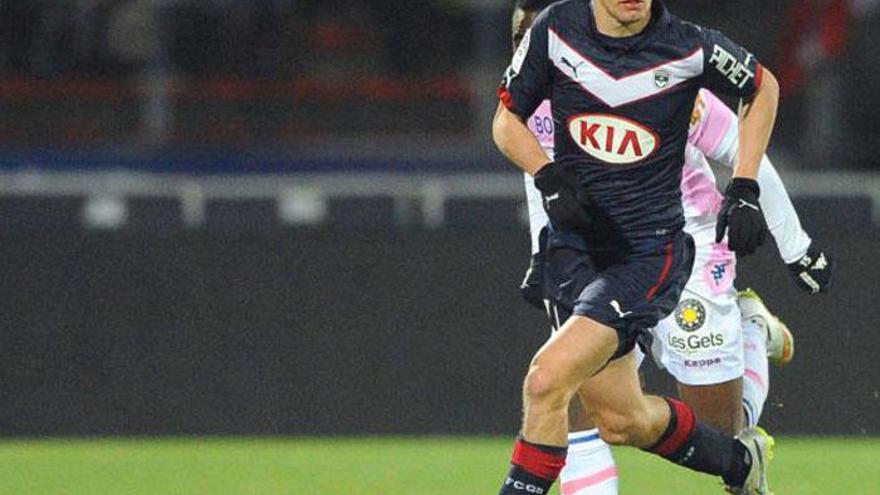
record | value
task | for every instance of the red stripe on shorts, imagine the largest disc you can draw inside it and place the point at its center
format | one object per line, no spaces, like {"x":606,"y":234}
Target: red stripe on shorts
{"x":663,"y":274}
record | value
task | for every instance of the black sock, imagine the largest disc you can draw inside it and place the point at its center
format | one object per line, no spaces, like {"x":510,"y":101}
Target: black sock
{"x":533,"y":469}
{"x":694,"y":445}
{"x":521,"y":482}
{"x":717,"y":453}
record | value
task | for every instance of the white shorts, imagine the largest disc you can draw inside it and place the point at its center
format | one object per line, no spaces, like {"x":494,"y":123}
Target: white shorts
{"x":700,"y":343}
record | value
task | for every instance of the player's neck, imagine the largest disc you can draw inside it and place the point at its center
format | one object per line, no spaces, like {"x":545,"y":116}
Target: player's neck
{"x":614,"y":28}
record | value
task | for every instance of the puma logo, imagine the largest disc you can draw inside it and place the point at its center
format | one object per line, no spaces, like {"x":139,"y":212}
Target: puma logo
{"x":574,"y":68}
{"x":616,"y":305}
{"x":745,"y":204}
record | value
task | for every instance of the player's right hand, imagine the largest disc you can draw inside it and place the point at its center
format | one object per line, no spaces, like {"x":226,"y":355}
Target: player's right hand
{"x":812,"y":272}
{"x":564,"y":206}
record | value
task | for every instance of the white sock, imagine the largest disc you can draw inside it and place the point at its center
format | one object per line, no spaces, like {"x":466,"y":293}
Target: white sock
{"x":756,"y":379}
{"x":589,"y":467}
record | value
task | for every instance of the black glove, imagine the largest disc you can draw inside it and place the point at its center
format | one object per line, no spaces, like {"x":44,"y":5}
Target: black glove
{"x":565,"y":207}
{"x":742,"y":214}
{"x":813,"y":271}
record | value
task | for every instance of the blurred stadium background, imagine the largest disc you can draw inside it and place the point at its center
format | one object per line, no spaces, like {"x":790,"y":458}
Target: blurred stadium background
{"x":245,"y":218}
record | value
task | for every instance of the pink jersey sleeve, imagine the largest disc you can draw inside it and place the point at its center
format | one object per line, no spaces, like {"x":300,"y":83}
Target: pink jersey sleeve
{"x":541,"y":125}
{"x":713,"y":127}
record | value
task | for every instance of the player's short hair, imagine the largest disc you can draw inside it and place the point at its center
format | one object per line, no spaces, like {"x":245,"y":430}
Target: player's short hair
{"x":533,"y":4}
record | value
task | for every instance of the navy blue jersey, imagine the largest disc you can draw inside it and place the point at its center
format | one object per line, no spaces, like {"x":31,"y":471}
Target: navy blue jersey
{"x":621,"y":107}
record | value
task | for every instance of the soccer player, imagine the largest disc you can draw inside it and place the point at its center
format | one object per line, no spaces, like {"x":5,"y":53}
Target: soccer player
{"x":622,"y":76}
{"x":706,"y":344}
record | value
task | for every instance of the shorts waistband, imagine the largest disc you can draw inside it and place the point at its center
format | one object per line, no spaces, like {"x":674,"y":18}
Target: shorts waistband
{"x":636,"y":245}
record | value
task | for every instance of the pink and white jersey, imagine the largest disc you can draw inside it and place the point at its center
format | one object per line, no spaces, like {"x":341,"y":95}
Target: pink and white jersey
{"x":541,"y":125}
{"x":713,"y":133}
{"x":714,"y":264}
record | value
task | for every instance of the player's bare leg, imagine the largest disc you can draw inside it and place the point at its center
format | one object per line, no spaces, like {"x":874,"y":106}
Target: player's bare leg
{"x":577,"y":416}
{"x":622,"y":412}
{"x":590,"y":468}
{"x":730,"y":406}
{"x":625,"y":415}
{"x":719,"y":405}
{"x":578,"y":350}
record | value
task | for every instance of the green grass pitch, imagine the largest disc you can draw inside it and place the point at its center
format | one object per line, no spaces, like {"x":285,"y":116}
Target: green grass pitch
{"x":379,"y":466}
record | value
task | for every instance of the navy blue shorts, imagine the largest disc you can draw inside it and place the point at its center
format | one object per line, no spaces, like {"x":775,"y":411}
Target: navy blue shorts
{"x":628,"y":290}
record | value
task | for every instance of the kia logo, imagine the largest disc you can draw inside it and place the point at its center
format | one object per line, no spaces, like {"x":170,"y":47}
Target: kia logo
{"x":611,"y":138}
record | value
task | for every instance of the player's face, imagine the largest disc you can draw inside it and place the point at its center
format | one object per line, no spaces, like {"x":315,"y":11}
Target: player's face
{"x":626,"y":11}
{"x":522,"y":21}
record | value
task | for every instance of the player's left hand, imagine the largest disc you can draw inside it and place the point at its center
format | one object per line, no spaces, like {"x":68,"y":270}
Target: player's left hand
{"x":812,"y":272}
{"x":741,"y":217}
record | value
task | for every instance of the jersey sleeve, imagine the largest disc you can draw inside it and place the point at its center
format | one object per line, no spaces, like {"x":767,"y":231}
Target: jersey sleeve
{"x":727,"y":67}
{"x":527,"y":82}
{"x":713,"y":128}
{"x":782,"y":219}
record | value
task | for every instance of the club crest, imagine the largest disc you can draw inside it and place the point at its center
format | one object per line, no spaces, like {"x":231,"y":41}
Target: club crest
{"x":661,"y":78}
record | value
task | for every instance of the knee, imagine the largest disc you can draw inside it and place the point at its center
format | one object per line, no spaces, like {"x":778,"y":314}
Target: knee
{"x":620,"y":429}
{"x":543,"y":385}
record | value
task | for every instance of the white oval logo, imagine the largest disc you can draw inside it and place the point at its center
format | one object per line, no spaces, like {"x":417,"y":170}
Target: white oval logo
{"x":611,"y":138}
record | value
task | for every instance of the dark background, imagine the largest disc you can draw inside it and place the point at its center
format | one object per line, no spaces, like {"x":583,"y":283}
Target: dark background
{"x":353,"y":329}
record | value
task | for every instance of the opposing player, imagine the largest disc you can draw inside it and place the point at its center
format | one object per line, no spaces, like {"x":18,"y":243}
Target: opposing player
{"x":622,"y":76}
{"x":717,"y":354}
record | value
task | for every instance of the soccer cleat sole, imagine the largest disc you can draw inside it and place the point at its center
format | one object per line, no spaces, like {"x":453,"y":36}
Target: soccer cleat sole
{"x":780,"y":340}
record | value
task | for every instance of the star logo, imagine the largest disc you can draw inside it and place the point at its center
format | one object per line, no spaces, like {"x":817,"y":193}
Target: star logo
{"x":690,"y":315}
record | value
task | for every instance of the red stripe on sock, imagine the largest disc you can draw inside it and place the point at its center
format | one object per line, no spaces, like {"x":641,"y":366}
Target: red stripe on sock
{"x":683,"y":415}
{"x":537,"y":461}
